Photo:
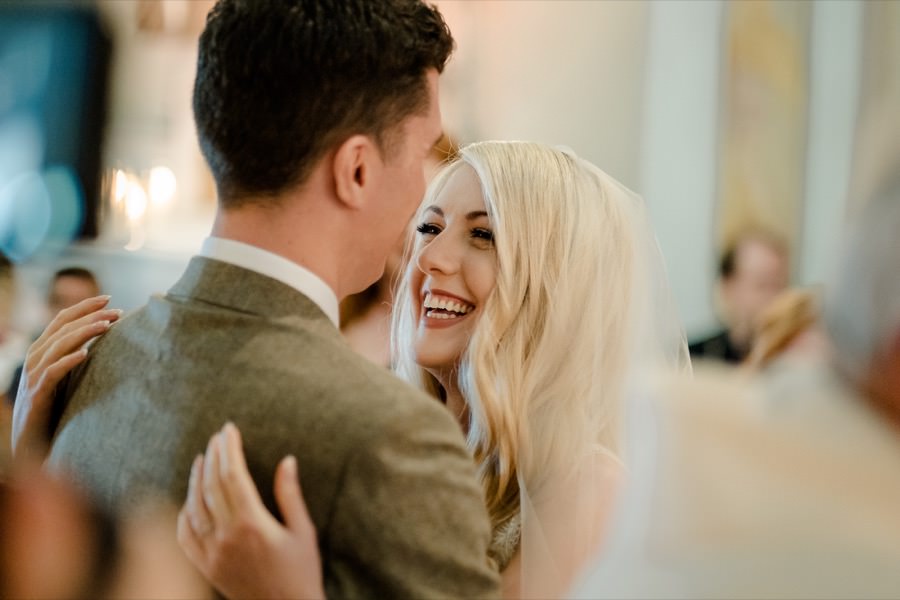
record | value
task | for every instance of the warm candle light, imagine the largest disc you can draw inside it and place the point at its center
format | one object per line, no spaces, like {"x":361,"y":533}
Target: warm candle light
{"x":161,"y":185}
{"x":135,"y":201}
{"x":119,"y":186}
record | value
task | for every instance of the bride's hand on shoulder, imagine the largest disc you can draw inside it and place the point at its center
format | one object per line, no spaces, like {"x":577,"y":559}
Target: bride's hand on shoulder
{"x":232,"y":538}
{"x":58,"y":350}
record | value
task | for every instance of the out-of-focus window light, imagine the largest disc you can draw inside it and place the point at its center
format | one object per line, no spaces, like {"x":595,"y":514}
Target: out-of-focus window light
{"x":135,"y":201}
{"x":119,"y":187}
{"x":53,"y":67}
{"x":162,"y":186}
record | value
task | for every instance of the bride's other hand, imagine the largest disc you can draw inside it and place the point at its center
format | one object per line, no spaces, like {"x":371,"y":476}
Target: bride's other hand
{"x":227,"y":532}
{"x":58,"y":350}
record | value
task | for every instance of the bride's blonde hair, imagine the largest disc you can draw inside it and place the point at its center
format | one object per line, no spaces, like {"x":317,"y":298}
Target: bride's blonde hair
{"x":543,"y":371}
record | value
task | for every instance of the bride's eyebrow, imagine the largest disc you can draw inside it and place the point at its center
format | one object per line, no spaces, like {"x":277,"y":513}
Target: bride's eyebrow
{"x":476,"y":214}
{"x":435,"y":210}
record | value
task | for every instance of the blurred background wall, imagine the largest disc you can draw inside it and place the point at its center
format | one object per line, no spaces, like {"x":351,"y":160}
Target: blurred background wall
{"x":677,"y":99}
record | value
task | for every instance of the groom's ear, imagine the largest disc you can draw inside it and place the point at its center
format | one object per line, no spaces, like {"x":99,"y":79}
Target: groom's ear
{"x":355,"y":166}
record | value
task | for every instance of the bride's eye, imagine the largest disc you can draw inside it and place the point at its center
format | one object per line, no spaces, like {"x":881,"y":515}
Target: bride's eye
{"x":486,"y":235}
{"x":428,"y":229}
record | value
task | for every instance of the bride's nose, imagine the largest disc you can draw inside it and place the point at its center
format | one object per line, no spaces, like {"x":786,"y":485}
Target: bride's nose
{"x":439,"y":256}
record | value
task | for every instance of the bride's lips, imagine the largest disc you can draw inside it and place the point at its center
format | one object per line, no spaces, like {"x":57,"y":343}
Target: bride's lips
{"x":442,"y":309}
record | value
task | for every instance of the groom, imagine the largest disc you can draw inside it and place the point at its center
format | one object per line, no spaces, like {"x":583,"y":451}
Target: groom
{"x":315,"y":119}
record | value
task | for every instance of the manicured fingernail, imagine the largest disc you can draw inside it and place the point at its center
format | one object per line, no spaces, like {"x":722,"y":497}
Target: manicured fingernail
{"x":194,"y":466}
{"x":83,"y":352}
{"x":103,"y":297}
{"x":117,"y":311}
{"x":102,"y":324}
{"x":291,"y":464}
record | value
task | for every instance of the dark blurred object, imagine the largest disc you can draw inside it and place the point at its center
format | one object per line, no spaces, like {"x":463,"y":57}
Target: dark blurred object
{"x":54,"y":67}
{"x":717,"y":347}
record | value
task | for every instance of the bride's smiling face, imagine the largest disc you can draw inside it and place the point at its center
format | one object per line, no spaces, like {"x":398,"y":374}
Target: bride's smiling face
{"x":455,"y":270}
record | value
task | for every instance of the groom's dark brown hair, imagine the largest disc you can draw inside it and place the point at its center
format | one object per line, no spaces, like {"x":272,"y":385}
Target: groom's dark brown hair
{"x":281,"y":82}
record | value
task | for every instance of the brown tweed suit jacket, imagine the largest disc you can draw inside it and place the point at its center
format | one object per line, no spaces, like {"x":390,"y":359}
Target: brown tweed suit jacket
{"x":389,"y":483}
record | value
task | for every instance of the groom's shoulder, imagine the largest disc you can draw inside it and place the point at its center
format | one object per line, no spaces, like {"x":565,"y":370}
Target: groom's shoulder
{"x":319,"y":372}
{"x":378,"y":394}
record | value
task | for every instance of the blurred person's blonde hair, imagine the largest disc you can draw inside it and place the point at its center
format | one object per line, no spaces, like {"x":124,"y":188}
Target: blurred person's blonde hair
{"x":790,"y":314}
{"x":543,"y":370}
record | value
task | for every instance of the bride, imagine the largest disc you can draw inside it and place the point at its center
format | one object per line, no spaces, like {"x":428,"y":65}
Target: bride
{"x":534,"y":294}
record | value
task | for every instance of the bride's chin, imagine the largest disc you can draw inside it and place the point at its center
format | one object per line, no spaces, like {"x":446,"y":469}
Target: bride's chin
{"x":439,"y":367}
{"x":435,"y":367}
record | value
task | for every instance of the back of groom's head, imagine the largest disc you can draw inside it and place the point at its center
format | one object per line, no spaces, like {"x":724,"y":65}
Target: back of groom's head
{"x":280,"y":82}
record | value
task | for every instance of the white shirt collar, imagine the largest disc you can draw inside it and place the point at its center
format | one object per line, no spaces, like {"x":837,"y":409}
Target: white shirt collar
{"x":277,"y":267}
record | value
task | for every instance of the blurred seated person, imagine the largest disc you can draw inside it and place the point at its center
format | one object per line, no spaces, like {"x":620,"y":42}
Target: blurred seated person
{"x":752,"y":271}
{"x":68,"y":287}
{"x":786,"y":488}
{"x":366,"y":316}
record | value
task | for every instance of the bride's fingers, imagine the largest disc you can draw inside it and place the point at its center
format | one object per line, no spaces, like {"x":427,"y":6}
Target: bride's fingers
{"x":213,"y":495}
{"x":66,"y":344}
{"x":200,"y":521}
{"x":74,"y":312}
{"x":46,"y":342}
{"x":51,"y":376}
{"x":49,"y":360}
{"x":237,"y":484}
{"x":189,"y":538}
{"x":289,"y":496}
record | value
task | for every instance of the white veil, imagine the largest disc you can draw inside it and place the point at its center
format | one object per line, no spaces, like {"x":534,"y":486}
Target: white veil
{"x":636,"y":334}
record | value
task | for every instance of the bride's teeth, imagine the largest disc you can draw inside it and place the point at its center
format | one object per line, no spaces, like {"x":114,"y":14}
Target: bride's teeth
{"x":453,"y":308}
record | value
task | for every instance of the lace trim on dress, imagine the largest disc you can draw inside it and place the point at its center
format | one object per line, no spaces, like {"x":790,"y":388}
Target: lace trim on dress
{"x":505,"y":542}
